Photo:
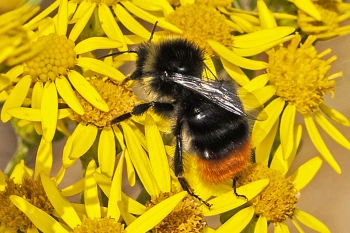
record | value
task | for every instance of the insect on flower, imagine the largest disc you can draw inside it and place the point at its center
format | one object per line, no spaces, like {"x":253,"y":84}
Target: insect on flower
{"x":207,"y":112}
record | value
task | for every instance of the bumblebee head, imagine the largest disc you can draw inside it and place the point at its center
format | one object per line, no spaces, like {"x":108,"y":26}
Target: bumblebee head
{"x":178,"y":55}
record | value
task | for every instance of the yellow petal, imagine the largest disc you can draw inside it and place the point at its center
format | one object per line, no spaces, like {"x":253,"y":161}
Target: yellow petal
{"x":73,"y":189}
{"x":266,"y":18}
{"x":91,"y":199}
{"x":238,"y":222}
{"x":286,"y":129}
{"x":16,"y":97}
{"x":95,"y":43}
{"x":83,"y":140}
{"x":2,"y":182}
{"x":86,"y":90}
{"x":62,"y":18}
{"x":334,"y":115}
{"x":262,"y":128}
{"x":37,"y":97}
{"x":319,"y":143}
{"x":263,"y":149}
{"x":235,"y":72}
{"x":161,"y":5}
{"x":131,"y":176}
{"x":157,"y":155}
{"x":100,"y":67}
{"x":242,"y":23}
{"x":139,"y":160}
{"x":296,"y":224}
{"x":116,"y":196}
{"x":261,"y":37}
{"x":66,"y":92}
{"x":106,"y":152}
{"x":130,"y":23}
{"x":110,"y":26}
{"x":150,"y":18}
{"x":82,"y":22}
{"x":308,"y":7}
{"x":310,"y":221}
{"x":304,"y":174}
{"x":331,"y":130}
{"x":32,"y":114}
{"x":20,"y":172}
{"x":42,"y":14}
{"x":256,"y":83}
{"x":251,"y":51}
{"x":44,"y":158}
{"x":49,"y":111}
{"x":230,"y":56}
{"x":43,"y":221}
{"x":261,"y":225}
{"x":265,"y":93}
{"x":281,"y":164}
{"x":63,"y":207}
{"x":156,"y":214}
{"x":229,"y":200}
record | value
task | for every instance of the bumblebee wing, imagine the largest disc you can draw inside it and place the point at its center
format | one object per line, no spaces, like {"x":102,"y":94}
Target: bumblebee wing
{"x":214,"y":91}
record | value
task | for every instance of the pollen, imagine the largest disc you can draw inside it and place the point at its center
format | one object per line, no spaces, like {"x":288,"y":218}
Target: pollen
{"x":56,"y":57}
{"x":102,"y":225}
{"x":186,"y":217}
{"x":277,"y":201}
{"x":30,"y":190}
{"x":119,"y":99}
{"x":300,"y":75}
{"x":201,"y":23}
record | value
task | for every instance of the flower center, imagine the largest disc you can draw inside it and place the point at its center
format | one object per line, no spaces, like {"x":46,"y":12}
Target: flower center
{"x":119,"y":99}
{"x":300,"y":76}
{"x":107,"y":2}
{"x":55,"y":59}
{"x":30,"y":190}
{"x":277,"y":201}
{"x":186,"y":217}
{"x":103,"y":225}
{"x":201,"y":23}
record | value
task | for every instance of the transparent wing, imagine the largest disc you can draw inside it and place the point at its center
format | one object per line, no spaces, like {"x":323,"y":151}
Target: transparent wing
{"x":220,"y":92}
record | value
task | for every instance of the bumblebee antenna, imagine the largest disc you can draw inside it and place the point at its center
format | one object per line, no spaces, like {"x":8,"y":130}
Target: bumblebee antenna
{"x":153,"y":30}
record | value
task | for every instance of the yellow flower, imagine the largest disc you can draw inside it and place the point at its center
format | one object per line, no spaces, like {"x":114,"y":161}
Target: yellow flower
{"x":297,"y":78}
{"x":15,"y":39}
{"x":277,"y":202}
{"x":322,"y":18}
{"x":21,"y":183}
{"x":95,"y":125}
{"x":94,"y":217}
{"x":49,"y":78}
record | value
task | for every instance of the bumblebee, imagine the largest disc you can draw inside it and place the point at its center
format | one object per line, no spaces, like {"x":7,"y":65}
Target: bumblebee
{"x":207,"y":112}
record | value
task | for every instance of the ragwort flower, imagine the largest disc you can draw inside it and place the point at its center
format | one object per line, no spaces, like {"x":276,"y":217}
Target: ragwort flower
{"x":297,"y":79}
{"x":95,"y":125}
{"x":326,"y":24}
{"x":44,"y":78}
{"x":21,"y":183}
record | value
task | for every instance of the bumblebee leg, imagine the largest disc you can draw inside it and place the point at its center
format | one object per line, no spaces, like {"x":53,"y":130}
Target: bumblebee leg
{"x":234,"y":185}
{"x":178,"y":166}
{"x":142,"y":108}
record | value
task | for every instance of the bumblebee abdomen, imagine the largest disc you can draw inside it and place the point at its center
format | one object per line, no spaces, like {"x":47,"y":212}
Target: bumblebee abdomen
{"x":226,"y":167}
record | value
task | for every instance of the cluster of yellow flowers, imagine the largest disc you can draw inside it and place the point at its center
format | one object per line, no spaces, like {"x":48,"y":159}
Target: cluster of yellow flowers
{"x":54,"y":84}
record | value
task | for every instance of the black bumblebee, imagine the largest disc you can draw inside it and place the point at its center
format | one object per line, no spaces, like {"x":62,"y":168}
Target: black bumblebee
{"x":209,"y":112}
